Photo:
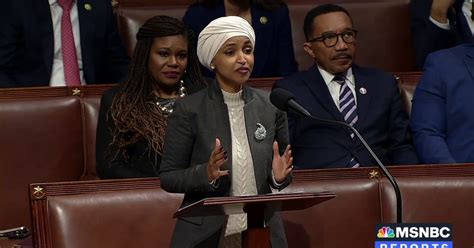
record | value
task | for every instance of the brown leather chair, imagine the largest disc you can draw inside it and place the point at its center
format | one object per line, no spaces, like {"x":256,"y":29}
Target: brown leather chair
{"x":434,"y":194}
{"x":41,"y":141}
{"x":91,"y":106}
{"x":48,"y":135}
{"x":430,"y":193}
{"x":355,"y":209}
{"x":109,"y":213}
{"x":408,"y":82}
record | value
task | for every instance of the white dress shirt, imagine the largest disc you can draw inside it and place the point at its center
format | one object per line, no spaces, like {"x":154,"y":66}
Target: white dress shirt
{"x":335,"y":88}
{"x":57,"y":72}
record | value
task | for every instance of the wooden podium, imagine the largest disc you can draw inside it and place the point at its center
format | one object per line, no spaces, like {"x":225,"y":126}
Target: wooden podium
{"x":256,"y":235}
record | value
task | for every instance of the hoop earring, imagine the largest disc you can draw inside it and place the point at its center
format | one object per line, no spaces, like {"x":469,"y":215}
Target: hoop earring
{"x":213,"y":67}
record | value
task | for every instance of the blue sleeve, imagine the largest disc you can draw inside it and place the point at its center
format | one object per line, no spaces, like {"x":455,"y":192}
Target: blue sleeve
{"x":428,"y":117}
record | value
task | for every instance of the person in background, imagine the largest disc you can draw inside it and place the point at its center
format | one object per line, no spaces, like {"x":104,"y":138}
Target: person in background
{"x":440,"y":24}
{"x":132,"y":117}
{"x":337,"y":89}
{"x":274,"y":53}
{"x":226,"y":140}
{"x":442,"y":116}
{"x":59,"y":43}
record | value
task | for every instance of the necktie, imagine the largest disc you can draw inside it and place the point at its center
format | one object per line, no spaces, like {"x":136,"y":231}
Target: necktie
{"x":348,"y":108}
{"x":68,"y":48}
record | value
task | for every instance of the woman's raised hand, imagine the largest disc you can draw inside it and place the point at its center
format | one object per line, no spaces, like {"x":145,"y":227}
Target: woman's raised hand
{"x":281,"y":165}
{"x":217,"y":159}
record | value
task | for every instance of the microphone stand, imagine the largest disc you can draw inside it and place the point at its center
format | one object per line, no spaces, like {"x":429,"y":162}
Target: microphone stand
{"x":384,"y":169}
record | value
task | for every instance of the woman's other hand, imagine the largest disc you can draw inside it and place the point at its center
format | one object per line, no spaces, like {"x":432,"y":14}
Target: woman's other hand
{"x":281,"y":165}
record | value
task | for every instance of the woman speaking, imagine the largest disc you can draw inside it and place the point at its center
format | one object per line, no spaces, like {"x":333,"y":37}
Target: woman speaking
{"x":225,"y":140}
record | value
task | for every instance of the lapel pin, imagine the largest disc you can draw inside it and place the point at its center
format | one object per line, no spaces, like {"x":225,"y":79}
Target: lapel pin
{"x":87,"y":7}
{"x":363,"y":90}
{"x":260,"y":133}
{"x":263,"y":20}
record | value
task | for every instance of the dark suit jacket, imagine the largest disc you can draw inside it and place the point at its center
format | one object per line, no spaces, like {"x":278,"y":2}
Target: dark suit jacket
{"x":196,"y":122}
{"x":141,"y":161}
{"x":442,"y":113}
{"x":274,"y":54}
{"x":382,"y":122}
{"x":27,"y":43}
{"x":428,"y":37}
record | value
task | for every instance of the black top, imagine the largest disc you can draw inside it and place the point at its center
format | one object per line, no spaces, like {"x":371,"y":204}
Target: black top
{"x":142,"y":161}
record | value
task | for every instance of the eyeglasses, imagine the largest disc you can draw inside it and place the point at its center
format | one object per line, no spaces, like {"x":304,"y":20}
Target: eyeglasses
{"x":331,"y":39}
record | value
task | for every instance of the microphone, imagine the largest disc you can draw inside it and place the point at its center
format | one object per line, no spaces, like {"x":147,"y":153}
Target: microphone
{"x":285,"y":101}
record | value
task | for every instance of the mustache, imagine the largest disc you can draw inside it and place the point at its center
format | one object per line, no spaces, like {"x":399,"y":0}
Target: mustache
{"x":342,"y":55}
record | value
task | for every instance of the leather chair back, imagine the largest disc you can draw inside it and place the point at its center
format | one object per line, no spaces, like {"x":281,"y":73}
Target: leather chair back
{"x":131,"y":18}
{"x":41,"y":141}
{"x":434,"y":194}
{"x":355,"y":209}
{"x":408,"y":82}
{"x":107,"y":213}
{"x":48,"y":135}
{"x":91,"y":105}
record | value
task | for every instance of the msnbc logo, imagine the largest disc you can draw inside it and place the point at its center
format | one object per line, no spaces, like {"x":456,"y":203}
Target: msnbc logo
{"x":413,"y":235}
{"x":386,"y":232}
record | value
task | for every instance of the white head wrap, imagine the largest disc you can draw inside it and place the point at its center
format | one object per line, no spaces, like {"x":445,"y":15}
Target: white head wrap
{"x":217,"y":32}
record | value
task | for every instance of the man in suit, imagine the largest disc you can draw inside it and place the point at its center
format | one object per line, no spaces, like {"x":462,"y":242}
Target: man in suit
{"x":33,"y":43}
{"x":440,"y":24}
{"x":336,"y":89}
{"x":442,"y":113}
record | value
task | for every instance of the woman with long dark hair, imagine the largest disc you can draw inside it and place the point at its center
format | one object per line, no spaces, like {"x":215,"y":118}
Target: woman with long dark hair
{"x":132,"y":118}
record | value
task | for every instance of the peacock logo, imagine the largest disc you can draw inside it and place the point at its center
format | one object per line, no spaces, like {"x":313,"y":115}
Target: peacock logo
{"x":386,"y":232}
